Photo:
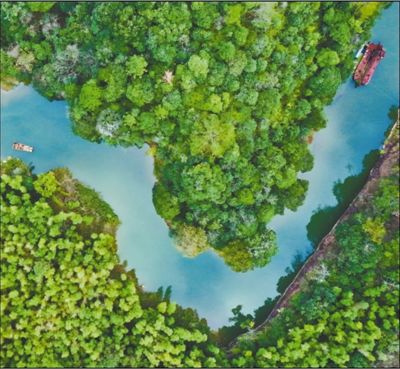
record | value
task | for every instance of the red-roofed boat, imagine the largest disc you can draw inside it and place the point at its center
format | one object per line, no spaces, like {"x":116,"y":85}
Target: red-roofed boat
{"x":372,"y":55}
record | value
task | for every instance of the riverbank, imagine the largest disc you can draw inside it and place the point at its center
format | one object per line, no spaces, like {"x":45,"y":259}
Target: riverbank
{"x":28,"y":117}
{"x":384,"y":167}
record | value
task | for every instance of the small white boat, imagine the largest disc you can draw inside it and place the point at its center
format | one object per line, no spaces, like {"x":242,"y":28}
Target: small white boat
{"x":22,"y":147}
{"x":362,"y":50}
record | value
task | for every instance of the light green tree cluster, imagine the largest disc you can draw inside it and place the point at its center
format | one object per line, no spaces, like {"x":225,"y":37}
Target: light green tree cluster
{"x":65,"y":299}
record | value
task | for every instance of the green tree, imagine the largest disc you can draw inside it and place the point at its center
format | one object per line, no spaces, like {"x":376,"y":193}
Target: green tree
{"x":40,"y":6}
{"x":90,"y":97}
{"x":326,"y":82}
{"x":190,"y":241}
{"x":136,"y":66}
{"x":327,"y":58}
{"x":166,"y":205}
{"x":198,"y":66}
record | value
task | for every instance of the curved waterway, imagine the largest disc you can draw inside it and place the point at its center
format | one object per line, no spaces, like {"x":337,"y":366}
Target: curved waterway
{"x":357,"y":120}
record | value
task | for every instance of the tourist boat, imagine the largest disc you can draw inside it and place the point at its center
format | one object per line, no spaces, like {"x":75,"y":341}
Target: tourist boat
{"x":22,"y":147}
{"x":372,"y":54}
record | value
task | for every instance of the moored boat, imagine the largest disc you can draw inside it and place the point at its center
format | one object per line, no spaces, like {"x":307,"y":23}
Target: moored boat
{"x":372,"y":54}
{"x":22,"y":147}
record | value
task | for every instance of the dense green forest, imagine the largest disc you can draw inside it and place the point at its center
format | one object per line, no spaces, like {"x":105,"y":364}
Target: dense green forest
{"x":66,"y":301}
{"x":225,"y":94}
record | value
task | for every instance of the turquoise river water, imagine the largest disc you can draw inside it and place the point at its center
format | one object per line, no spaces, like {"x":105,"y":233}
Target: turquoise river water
{"x":357,"y":120}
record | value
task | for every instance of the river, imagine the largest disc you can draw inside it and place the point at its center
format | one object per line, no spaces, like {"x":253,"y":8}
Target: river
{"x":357,"y":120}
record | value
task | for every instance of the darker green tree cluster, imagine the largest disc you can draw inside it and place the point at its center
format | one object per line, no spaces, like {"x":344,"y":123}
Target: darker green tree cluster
{"x":225,"y":94}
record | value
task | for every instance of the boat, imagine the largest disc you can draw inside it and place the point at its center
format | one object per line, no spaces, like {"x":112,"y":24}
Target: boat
{"x":22,"y":147}
{"x":362,"y":50}
{"x":372,"y":54}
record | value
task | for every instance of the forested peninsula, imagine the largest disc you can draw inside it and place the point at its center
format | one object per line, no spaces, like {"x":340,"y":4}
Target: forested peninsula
{"x":226,"y":95}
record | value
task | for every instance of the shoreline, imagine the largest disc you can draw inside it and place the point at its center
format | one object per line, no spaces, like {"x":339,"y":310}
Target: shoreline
{"x":381,"y":169}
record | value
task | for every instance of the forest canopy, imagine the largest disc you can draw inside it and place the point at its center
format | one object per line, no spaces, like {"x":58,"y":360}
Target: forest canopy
{"x":66,"y":301}
{"x":225,"y":94}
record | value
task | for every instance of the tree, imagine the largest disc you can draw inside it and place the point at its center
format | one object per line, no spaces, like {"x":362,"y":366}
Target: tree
{"x":326,"y":82}
{"x":375,"y":228}
{"x":190,"y":241}
{"x":140,"y":92}
{"x":40,"y":6}
{"x":136,"y":66}
{"x":208,"y":182}
{"x":92,"y":312}
{"x":243,"y":321}
{"x":166,"y":204}
{"x":46,"y":185}
{"x":211,"y":137}
{"x":198,"y":66}
{"x":237,"y":256}
{"x":108,"y":122}
{"x":327,"y":58}
{"x":227,"y":51}
{"x":90,"y":96}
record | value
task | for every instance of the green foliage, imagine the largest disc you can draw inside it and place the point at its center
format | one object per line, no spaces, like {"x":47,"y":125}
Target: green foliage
{"x":90,"y":96}
{"x":190,"y":241}
{"x":346,"y":313}
{"x":237,"y":256}
{"x":226,"y":95}
{"x":327,"y":57}
{"x":136,"y":66}
{"x":167,"y":206}
{"x":66,"y":300}
{"x":46,"y":184}
{"x":326,"y":82}
{"x":204,"y":182}
{"x":198,"y":66}
{"x":40,"y":6}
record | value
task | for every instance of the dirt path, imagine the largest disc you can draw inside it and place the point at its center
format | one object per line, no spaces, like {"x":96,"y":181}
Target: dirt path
{"x":382,"y":168}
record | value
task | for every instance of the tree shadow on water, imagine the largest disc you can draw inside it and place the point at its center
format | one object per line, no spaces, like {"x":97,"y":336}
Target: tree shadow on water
{"x":323,"y":219}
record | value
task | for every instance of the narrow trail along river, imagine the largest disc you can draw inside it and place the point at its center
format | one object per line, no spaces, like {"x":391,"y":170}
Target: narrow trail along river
{"x":356,"y":123}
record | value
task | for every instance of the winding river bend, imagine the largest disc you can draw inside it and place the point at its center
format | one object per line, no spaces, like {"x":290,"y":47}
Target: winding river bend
{"x":357,"y":120}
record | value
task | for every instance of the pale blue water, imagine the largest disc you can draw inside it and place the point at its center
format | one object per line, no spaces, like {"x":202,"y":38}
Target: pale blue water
{"x":357,"y":120}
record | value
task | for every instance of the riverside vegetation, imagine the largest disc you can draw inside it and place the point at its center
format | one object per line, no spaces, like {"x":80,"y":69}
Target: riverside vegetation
{"x":346,"y":313}
{"x":66,"y":300}
{"x":224,"y":94}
